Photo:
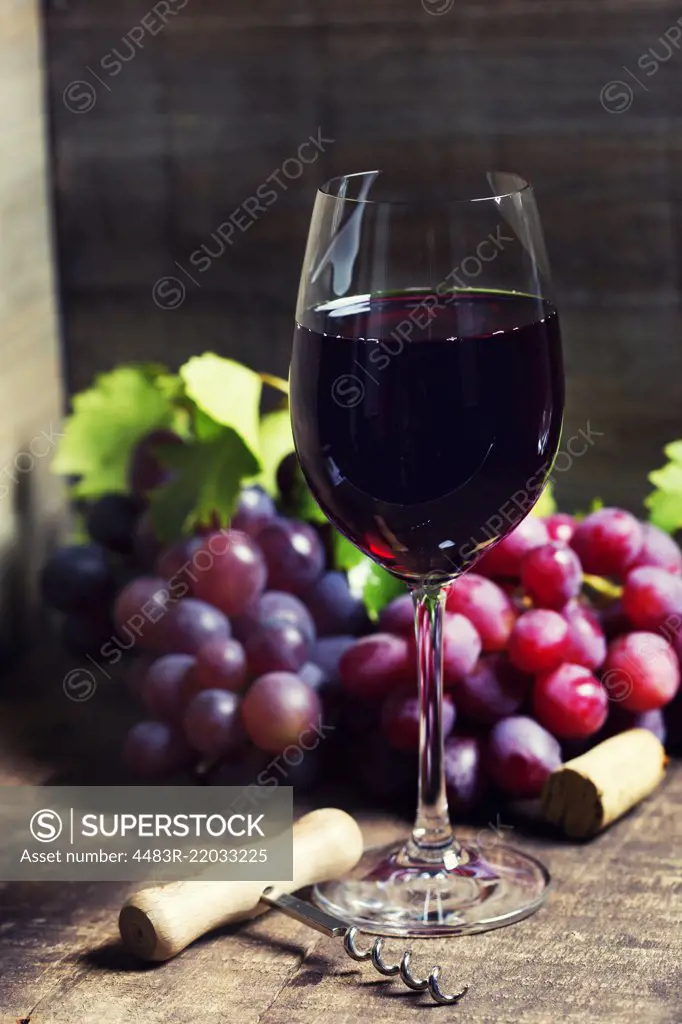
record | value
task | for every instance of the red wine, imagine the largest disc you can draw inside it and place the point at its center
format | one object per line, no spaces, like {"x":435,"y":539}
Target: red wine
{"x":425,"y":439}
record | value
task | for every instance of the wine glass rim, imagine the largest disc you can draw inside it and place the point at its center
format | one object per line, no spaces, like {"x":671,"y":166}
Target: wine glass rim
{"x":336,"y":188}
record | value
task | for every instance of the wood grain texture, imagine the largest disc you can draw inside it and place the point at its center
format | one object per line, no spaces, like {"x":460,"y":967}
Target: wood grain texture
{"x":607,"y":947}
{"x":204,"y":108}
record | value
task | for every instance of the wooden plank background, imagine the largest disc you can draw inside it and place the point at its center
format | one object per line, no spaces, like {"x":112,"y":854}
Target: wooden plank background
{"x":30,"y":384}
{"x":150,"y":160}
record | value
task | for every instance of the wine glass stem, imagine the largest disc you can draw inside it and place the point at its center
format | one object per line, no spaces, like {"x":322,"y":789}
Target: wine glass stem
{"x":432,"y":834}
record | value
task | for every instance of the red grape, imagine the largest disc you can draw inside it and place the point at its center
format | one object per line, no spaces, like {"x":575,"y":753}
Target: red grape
{"x":220,"y":665}
{"x":586,"y":642}
{"x":211,"y":723}
{"x":400,"y":720}
{"x":280,"y":647}
{"x":145,"y":469}
{"x":607,"y":541}
{"x":254,"y":511}
{"x":652,"y":599}
{"x":398,"y":616}
{"x":333,"y":607}
{"x":493,"y":690}
{"x":641,"y":671}
{"x":486,"y":606}
{"x":375,"y":663}
{"x":154,"y":748}
{"x":293,"y":553}
{"x":539,"y":641}
{"x":570,"y":702}
{"x":271,"y":608}
{"x":505,"y":558}
{"x":278,"y":709}
{"x":461,"y":647}
{"x":552,"y":575}
{"x":465,"y":779}
{"x":561,"y":527}
{"x":163,"y":687}
{"x":521,"y":756}
{"x":234,"y":572}
{"x":658,"y":549}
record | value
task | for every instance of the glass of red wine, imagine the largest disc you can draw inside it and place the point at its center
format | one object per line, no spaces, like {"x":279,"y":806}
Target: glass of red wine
{"x":426,"y":400}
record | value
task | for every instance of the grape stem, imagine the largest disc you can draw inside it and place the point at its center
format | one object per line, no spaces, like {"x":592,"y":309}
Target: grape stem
{"x":275,"y":382}
{"x":604,"y":587}
{"x":432,"y":833}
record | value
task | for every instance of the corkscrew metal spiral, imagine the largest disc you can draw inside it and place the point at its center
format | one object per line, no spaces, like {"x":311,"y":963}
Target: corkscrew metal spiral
{"x":334,"y":926}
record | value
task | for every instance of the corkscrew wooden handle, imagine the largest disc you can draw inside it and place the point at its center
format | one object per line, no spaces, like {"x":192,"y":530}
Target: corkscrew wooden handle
{"x":158,"y":923}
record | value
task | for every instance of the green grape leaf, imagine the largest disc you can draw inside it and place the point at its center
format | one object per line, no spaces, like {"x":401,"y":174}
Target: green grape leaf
{"x":276,"y":441}
{"x":208,"y":474}
{"x":106,"y":422}
{"x":546,"y":504}
{"x":373,"y":585}
{"x":346,"y":555}
{"x":665,"y":502}
{"x":226,"y":392}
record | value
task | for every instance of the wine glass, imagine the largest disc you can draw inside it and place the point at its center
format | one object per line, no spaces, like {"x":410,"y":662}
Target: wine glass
{"x":426,"y":403}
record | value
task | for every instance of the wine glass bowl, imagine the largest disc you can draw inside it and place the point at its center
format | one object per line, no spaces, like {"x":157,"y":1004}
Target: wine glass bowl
{"x":426,"y":404}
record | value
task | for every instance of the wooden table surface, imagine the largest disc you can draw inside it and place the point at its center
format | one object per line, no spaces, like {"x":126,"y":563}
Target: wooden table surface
{"x":606,"y":947}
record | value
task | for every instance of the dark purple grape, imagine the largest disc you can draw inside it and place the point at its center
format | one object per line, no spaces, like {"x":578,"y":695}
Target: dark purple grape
{"x":255,"y":510}
{"x":154,"y":748}
{"x":111,"y":522}
{"x":333,"y":607}
{"x":276,"y":648}
{"x":146,"y":545}
{"x":327,"y":652}
{"x":521,"y":755}
{"x":83,"y":633}
{"x":220,"y":665}
{"x":293,"y":553}
{"x":275,"y":608}
{"x":145,"y":470}
{"x":77,"y":578}
{"x":398,"y":616}
{"x":187,"y":626}
{"x":465,"y":778}
{"x":494,"y":689}
{"x":211,"y":723}
{"x":177,"y":561}
{"x":163,"y":687}
{"x":287,"y":474}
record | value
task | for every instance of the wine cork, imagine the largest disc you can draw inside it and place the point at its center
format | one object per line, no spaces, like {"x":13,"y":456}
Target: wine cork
{"x":586,"y":794}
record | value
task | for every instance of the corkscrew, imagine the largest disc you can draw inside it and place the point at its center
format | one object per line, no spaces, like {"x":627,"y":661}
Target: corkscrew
{"x":159,"y":922}
{"x":334,"y":926}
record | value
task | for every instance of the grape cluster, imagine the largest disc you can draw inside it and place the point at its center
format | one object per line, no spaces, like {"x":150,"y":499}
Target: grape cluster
{"x":246,"y":641}
{"x":541,"y":661}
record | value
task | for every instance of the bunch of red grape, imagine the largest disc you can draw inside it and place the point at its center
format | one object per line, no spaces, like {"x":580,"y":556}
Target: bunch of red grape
{"x":250,"y":648}
{"x":533,"y":671}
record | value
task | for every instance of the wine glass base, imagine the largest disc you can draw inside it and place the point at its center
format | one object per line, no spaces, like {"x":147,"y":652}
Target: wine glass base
{"x":468,"y":889}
